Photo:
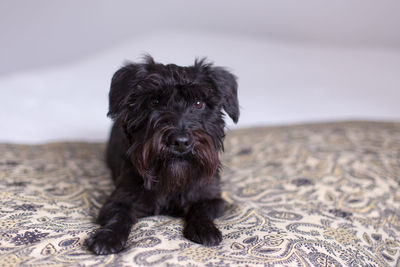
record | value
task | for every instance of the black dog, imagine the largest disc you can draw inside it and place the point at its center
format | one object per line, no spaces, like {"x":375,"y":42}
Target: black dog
{"x":163,"y":149}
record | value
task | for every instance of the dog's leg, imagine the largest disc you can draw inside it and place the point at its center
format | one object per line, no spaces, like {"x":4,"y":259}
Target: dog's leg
{"x":116,"y":218}
{"x":199,"y":226}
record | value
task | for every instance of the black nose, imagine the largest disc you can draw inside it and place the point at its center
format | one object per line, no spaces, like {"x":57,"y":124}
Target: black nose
{"x":180,"y":143}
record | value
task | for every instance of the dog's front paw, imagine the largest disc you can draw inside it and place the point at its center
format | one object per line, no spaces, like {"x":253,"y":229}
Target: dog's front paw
{"x":105,"y":241}
{"x":203,"y":232}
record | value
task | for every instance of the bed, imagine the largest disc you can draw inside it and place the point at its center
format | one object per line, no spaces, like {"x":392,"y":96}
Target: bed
{"x":322,"y":194}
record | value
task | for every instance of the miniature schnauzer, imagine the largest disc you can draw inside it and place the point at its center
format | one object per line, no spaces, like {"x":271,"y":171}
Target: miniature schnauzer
{"x":163,"y":150}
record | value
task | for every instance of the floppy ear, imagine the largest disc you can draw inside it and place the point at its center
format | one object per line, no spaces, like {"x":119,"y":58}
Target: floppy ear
{"x":121,"y":83}
{"x":227,"y":85}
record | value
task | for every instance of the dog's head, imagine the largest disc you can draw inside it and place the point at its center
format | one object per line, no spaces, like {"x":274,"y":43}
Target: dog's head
{"x":173,"y":118}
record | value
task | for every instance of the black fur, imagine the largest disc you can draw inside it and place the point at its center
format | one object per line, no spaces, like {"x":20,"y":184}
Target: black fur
{"x":163,"y":149}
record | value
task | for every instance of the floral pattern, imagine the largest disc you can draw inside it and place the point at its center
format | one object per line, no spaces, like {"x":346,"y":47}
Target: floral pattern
{"x":308,"y":195}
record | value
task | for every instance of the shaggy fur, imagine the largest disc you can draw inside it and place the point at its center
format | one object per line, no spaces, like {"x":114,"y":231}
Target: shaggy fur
{"x":163,"y":149}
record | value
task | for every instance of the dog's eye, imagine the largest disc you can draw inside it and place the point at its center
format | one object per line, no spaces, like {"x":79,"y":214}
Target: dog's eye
{"x":198,"y":104}
{"x":154,"y":102}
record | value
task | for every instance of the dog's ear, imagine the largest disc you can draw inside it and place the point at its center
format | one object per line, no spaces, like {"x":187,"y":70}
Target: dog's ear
{"x":122,"y":82}
{"x":227,"y":85}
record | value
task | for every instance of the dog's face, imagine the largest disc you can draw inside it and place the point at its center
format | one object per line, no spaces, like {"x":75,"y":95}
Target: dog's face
{"x":173,"y":118}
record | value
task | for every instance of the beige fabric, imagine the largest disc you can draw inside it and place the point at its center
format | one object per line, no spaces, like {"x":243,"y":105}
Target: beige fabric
{"x":306,"y":195}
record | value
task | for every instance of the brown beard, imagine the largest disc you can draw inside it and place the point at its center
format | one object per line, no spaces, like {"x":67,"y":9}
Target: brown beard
{"x":165,"y":172}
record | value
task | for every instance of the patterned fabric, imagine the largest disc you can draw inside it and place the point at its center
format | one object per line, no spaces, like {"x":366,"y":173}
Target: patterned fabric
{"x":306,"y":195}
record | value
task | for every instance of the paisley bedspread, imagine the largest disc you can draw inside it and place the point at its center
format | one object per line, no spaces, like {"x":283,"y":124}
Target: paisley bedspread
{"x":323,"y":194}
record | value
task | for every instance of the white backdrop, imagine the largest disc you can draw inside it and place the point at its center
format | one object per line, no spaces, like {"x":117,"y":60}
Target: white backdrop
{"x":295,"y":62}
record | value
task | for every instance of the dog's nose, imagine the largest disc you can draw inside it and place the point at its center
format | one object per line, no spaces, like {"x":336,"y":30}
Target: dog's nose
{"x":181,"y":143}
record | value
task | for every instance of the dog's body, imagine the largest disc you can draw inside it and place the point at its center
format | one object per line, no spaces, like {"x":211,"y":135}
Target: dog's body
{"x":163,"y":149}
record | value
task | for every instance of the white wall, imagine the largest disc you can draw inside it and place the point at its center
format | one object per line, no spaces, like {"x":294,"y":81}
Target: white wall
{"x":41,"y":32}
{"x":296,"y":61}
